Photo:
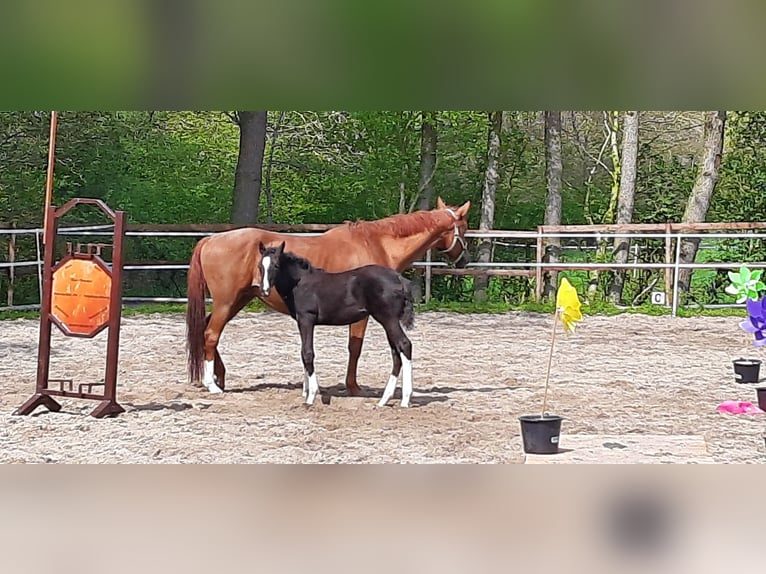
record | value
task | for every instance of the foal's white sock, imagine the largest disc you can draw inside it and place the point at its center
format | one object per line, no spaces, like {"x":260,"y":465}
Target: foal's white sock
{"x":388,"y":391}
{"x":406,"y":381}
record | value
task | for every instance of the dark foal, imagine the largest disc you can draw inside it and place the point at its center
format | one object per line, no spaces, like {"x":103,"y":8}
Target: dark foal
{"x":316,"y":297}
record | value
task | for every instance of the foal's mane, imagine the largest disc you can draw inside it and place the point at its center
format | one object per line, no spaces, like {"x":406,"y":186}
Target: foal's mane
{"x":399,"y":225}
{"x":299,"y":261}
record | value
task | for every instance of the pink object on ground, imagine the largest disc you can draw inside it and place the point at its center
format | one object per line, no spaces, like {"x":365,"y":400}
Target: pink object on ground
{"x":738,"y":408}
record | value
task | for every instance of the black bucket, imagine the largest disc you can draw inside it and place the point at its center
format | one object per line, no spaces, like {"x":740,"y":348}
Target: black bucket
{"x":746,"y":370}
{"x":541,"y":433}
{"x":761,"y":392}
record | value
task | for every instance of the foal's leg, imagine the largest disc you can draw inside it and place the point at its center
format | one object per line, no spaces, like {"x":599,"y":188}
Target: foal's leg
{"x":400,"y":344}
{"x":406,"y":350}
{"x":355,"y":339}
{"x":390,"y":387}
{"x":306,"y":328}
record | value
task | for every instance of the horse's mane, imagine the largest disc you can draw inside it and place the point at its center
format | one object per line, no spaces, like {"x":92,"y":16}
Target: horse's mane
{"x":399,"y":225}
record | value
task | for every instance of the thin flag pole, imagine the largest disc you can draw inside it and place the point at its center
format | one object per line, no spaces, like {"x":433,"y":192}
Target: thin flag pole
{"x":49,"y":176}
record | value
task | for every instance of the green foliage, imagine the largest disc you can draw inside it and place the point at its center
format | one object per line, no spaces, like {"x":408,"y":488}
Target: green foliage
{"x":330,"y":166}
{"x":741,"y":191}
{"x":663,"y":183}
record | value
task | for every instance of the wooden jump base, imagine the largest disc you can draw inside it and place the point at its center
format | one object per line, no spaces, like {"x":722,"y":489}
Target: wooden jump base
{"x":82,"y":295}
{"x":626,"y":449}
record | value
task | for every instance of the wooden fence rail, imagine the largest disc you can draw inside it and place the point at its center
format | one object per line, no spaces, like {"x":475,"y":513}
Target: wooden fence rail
{"x":538,"y":239}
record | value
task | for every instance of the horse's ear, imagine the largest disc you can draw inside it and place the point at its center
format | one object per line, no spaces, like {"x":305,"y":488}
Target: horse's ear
{"x":462,"y":211}
{"x":440,"y":203}
{"x":282,"y":248}
{"x":261,"y":247}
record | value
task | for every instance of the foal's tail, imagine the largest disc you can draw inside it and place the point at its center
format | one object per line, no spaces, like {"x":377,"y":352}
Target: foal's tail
{"x":408,"y":314}
{"x":195,"y":316}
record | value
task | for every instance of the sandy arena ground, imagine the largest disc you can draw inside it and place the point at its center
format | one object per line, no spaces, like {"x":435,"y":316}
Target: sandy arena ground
{"x":474,"y":374}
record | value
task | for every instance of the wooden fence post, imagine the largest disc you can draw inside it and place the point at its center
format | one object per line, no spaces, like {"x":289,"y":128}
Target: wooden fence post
{"x":11,"y":269}
{"x":428,"y":276}
{"x":668,"y":261}
{"x":538,"y":269}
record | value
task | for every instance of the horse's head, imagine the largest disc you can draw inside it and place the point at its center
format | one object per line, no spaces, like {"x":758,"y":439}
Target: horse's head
{"x":452,"y":242}
{"x":269,"y":265}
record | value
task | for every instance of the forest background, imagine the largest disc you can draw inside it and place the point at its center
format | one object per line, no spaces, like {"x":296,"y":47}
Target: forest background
{"x":520,"y":169}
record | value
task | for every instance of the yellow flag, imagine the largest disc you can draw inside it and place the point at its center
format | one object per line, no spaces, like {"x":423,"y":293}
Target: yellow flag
{"x":568,"y":305}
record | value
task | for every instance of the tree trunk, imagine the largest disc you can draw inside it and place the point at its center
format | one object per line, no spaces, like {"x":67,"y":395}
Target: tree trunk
{"x":404,"y":140}
{"x":553,"y":170}
{"x":247,"y":179}
{"x":625,"y":199}
{"x":424,"y":193}
{"x":488,"y":201}
{"x":611,"y":127}
{"x":702,"y":192}
{"x":427,"y":159}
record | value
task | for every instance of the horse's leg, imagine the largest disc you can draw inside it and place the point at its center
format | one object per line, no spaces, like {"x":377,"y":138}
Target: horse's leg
{"x":218,"y":319}
{"x":219,"y":369}
{"x":390,"y":387}
{"x":306,"y":328}
{"x":355,"y":339}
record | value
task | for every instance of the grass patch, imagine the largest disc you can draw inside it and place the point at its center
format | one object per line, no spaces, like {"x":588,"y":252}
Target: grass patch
{"x":130,"y":310}
{"x":11,"y":315}
{"x":598,"y":308}
{"x":148,"y":308}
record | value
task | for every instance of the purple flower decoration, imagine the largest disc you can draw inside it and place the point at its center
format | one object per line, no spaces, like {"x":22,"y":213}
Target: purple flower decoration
{"x":756,"y":322}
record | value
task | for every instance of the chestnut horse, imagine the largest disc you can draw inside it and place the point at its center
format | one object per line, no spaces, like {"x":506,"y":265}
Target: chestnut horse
{"x":226,"y":265}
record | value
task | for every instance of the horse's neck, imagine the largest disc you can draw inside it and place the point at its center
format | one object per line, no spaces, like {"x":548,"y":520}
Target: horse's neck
{"x":405,"y":250}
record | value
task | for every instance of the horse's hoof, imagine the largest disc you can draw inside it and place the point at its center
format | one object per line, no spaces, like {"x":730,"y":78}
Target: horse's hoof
{"x":405,"y":405}
{"x":215,"y":389}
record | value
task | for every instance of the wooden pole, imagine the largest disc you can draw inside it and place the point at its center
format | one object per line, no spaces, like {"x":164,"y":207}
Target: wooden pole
{"x":429,"y":272}
{"x":550,"y":359}
{"x":538,"y":269}
{"x":668,"y":260}
{"x":11,"y":269}
{"x":49,"y":175}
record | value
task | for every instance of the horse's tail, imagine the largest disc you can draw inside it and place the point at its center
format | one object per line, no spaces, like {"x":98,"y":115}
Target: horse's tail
{"x":195,"y":316}
{"x":408,"y":313}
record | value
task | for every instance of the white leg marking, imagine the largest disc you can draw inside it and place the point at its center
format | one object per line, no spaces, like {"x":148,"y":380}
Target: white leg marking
{"x":305,"y":384}
{"x":406,"y":381}
{"x":388,"y":391}
{"x":210,"y":378}
{"x":266,"y":262}
{"x":313,"y":389}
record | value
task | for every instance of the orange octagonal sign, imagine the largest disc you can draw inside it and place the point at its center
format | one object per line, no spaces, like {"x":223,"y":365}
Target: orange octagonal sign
{"x":80,"y":298}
